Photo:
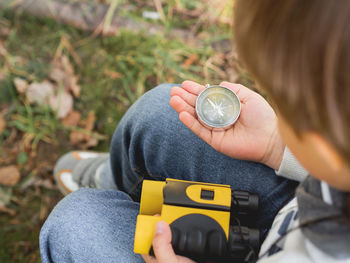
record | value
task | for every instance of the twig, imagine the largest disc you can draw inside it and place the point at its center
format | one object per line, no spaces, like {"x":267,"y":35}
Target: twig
{"x":160,"y":11}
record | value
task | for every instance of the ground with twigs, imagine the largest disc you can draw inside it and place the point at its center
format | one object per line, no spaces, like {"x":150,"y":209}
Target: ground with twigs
{"x":64,"y":88}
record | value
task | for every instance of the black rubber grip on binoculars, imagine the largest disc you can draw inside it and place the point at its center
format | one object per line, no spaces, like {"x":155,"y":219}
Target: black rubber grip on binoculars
{"x":198,"y":237}
{"x":202,"y":239}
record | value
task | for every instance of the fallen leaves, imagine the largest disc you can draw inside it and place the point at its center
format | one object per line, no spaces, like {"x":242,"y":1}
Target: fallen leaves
{"x":191,"y":59}
{"x":9,"y":175}
{"x":4,"y":28}
{"x":63,"y":74}
{"x":112,"y":74}
{"x":89,"y":122}
{"x":21,"y":85}
{"x":4,"y":209}
{"x":40,"y":93}
{"x":72,"y":119}
{"x":55,"y":92}
{"x":4,"y":32}
{"x":84,"y":138}
{"x":62,"y":104}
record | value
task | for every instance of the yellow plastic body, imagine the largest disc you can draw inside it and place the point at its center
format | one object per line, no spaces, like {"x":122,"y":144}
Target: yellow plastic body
{"x":151,"y":197}
{"x":152,"y":203}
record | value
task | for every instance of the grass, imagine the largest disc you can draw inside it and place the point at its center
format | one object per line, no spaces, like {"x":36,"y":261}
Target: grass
{"x":113,"y":72}
{"x":139,"y":61}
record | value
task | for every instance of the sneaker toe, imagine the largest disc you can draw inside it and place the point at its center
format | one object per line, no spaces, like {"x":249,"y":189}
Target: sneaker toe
{"x":64,"y":167}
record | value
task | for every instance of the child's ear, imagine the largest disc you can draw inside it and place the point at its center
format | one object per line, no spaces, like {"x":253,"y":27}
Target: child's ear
{"x":326,"y":151}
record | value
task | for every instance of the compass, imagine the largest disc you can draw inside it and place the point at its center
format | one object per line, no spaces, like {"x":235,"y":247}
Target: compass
{"x":217,"y":107}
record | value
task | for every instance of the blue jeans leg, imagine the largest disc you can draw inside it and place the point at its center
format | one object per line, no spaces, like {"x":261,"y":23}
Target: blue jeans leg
{"x":91,"y":225}
{"x":150,"y":142}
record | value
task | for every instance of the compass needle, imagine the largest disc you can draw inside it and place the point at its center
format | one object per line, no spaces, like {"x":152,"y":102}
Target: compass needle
{"x":212,"y":103}
{"x":217,"y":107}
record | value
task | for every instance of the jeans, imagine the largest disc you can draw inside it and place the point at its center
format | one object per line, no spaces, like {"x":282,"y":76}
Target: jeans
{"x":97,"y":225}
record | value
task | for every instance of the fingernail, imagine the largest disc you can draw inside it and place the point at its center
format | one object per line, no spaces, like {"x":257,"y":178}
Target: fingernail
{"x":160,"y":227}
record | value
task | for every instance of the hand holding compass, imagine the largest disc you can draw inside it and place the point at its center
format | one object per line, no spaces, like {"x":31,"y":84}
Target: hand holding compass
{"x":253,"y":136}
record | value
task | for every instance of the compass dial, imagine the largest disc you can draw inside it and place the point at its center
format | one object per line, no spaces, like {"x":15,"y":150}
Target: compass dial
{"x":218,"y":107}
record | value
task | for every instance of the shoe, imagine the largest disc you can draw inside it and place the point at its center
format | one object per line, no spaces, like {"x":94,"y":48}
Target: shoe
{"x":79,"y":169}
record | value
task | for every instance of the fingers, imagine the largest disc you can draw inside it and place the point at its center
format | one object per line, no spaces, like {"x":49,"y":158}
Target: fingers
{"x":241,"y":91}
{"x":162,"y":248}
{"x":183,"y":100}
{"x":188,"y":97}
{"x":192,"y":87}
{"x":149,"y":259}
{"x":180,"y":105}
{"x":194,"y":125}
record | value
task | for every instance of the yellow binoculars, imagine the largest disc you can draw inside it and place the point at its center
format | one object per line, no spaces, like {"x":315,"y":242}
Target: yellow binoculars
{"x":199,"y":218}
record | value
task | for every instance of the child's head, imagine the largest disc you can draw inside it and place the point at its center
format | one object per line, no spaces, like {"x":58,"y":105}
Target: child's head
{"x":299,"y":52}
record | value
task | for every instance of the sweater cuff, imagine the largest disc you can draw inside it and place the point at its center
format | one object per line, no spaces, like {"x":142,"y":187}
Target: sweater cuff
{"x":290,"y":167}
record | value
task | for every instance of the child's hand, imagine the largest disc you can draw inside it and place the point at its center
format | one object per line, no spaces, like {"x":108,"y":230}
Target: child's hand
{"x":162,"y":248}
{"x":253,"y":137}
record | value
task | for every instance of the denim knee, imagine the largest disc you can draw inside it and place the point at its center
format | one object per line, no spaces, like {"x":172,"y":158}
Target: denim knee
{"x":153,"y":105}
{"x":90,"y":225}
{"x":144,"y":130}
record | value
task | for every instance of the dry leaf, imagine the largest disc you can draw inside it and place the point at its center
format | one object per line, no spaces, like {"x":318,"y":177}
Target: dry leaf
{"x":57,"y":74}
{"x":45,"y":183}
{"x":77,"y":137}
{"x":72,"y":119}
{"x":4,"y":209}
{"x":113,"y":74}
{"x":3,"y":51}
{"x":82,"y":138}
{"x":14,"y":221}
{"x":39,"y":92}
{"x":193,"y":58}
{"x":21,"y":85}
{"x":9,"y":175}
{"x":75,"y":88}
{"x":62,"y":104}
{"x":89,"y":122}
{"x":63,"y":72}
{"x":91,"y":142}
{"x":2,"y":123}
{"x":4,"y":31}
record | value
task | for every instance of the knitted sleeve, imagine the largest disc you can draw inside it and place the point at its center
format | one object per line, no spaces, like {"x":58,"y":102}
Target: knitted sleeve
{"x":290,"y":167}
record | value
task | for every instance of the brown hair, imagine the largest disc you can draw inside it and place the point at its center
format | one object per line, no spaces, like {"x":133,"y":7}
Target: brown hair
{"x":299,"y":52}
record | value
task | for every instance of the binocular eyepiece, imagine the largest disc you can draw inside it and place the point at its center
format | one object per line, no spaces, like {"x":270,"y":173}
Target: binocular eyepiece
{"x":244,"y":206}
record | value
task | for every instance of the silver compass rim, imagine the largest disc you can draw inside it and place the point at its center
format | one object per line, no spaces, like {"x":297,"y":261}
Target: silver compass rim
{"x":223,"y":126}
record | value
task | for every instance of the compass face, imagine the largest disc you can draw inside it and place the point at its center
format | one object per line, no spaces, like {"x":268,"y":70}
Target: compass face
{"x":218,"y":107}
